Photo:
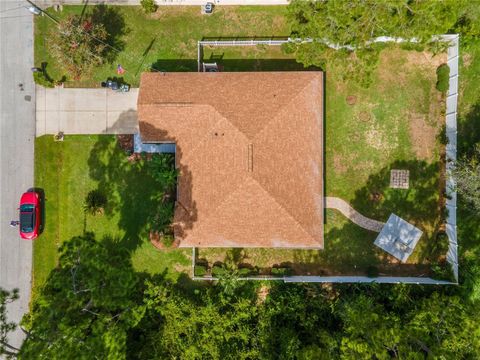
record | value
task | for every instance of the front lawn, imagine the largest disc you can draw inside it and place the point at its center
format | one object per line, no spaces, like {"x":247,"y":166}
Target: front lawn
{"x":166,"y":40}
{"x":67,"y":171}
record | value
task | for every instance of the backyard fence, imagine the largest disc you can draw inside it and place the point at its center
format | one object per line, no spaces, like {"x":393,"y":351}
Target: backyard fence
{"x":451,"y":157}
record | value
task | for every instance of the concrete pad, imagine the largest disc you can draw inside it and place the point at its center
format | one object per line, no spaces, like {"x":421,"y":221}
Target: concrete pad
{"x":118,"y":101}
{"x":85,"y":122}
{"x":122,"y":122}
{"x":40,"y":123}
{"x":40,"y":98}
{"x":52,"y":101}
{"x":52,"y":122}
{"x":398,"y":238}
{"x":82,"y":99}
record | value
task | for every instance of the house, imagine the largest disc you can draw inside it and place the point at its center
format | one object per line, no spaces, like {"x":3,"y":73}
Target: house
{"x":249,"y":148}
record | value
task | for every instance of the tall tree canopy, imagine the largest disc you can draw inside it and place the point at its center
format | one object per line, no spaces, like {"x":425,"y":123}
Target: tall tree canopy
{"x":354,"y":24}
{"x":87,"y":305}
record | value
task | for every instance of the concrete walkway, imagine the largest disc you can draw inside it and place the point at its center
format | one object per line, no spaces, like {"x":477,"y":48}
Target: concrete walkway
{"x":85,"y":111}
{"x":352,"y":214}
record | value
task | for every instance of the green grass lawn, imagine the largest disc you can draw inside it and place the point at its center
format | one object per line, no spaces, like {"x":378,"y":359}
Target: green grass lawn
{"x":166,"y":40}
{"x":394,"y":124}
{"x":67,"y":171}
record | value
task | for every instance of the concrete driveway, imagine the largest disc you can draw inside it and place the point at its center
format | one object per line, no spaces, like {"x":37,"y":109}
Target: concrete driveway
{"x":85,"y":111}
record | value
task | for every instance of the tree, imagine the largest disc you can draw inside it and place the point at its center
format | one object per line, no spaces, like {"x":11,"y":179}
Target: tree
{"x":162,"y":168}
{"x":95,"y":202}
{"x":87,"y":305}
{"x":353,"y":25}
{"x":6,"y":326}
{"x":467,"y":178}
{"x":78,"y":43}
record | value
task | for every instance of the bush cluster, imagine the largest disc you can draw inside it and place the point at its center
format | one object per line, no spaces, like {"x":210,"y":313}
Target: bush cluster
{"x":443,"y":76}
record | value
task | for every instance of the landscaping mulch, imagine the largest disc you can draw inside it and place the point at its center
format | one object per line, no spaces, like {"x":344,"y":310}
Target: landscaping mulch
{"x":125,"y":142}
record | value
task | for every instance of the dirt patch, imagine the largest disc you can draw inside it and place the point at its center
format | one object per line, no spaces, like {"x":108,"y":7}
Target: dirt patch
{"x":364,"y":116}
{"x":125,"y":142}
{"x":422,"y":136}
{"x":339,"y":164}
{"x":467,"y":60}
{"x":405,"y":62}
{"x":351,"y":99}
{"x":425,"y":59}
{"x":262,"y":294}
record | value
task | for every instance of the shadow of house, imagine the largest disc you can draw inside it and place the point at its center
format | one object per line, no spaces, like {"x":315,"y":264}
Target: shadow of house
{"x":234,"y":65}
{"x":125,"y":123}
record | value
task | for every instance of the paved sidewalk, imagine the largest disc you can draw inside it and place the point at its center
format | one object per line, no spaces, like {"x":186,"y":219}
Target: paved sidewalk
{"x":352,"y":214}
{"x":86,"y":111}
{"x":46,"y":3}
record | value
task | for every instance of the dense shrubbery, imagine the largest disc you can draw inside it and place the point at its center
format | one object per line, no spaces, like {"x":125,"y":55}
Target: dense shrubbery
{"x":40,"y":78}
{"x":443,"y":77}
{"x":148,"y":6}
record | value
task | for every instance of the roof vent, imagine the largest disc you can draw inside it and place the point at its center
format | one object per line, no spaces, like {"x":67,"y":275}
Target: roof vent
{"x":250,"y":157}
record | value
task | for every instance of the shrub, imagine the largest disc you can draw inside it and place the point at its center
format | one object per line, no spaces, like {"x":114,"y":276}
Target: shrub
{"x":281,"y":271}
{"x":218,"y":270}
{"x":168,"y":240}
{"x":443,"y":76}
{"x":95,"y":202}
{"x":200,"y":270}
{"x":78,"y":43}
{"x":148,"y":6}
{"x":41,"y":79}
{"x":244,"y":272}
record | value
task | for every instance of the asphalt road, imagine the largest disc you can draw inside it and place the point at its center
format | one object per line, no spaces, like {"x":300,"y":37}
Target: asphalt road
{"x":17,"y":134}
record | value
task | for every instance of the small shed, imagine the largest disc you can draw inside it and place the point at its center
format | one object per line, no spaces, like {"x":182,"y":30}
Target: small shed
{"x":398,"y":237}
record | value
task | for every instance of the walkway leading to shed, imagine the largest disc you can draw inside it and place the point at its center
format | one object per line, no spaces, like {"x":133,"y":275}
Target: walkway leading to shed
{"x":352,"y":214}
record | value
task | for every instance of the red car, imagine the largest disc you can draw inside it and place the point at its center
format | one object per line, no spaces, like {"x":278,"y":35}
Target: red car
{"x":29,"y":215}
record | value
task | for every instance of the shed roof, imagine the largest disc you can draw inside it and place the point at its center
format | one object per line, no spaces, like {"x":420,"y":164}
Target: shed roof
{"x":249,"y":149}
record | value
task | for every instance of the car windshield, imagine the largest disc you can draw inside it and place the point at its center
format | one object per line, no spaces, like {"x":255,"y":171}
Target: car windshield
{"x":27,"y":208}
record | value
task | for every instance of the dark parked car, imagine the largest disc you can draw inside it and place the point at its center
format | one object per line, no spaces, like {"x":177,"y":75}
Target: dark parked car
{"x":29,"y":215}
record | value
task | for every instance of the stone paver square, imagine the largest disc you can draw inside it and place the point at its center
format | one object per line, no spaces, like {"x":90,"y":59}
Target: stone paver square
{"x":399,"y":179}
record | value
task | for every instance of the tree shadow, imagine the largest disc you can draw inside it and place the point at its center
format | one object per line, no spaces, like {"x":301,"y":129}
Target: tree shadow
{"x":468,"y":131}
{"x":350,"y":250}
{"x":134,"y":194}
{"x":114,"y":24}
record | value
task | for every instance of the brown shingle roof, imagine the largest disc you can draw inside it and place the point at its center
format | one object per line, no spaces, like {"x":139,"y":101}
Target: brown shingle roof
{"x":249,"y":149}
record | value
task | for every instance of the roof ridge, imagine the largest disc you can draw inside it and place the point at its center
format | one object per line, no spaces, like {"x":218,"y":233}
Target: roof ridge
{"x":283,"y":107}
{"x":265,"y":127}
{"x":231,"y":194}
{"x":284,"y":210}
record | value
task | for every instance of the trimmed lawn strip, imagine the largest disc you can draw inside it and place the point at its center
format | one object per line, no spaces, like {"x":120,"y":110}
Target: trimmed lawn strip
{"x":166,"y":40}
{"x":67,"y":171}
